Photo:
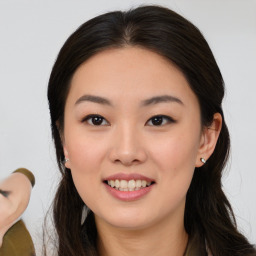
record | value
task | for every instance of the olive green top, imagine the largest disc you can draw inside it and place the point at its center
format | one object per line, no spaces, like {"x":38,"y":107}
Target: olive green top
{"x":17,"y":240}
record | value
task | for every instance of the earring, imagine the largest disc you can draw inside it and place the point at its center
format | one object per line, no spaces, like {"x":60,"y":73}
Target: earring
{"x":66,"y":160}
{"x":202,"y":160}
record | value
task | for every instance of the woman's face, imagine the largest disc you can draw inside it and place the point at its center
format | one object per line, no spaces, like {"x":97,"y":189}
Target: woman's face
{"x":131,"y":120}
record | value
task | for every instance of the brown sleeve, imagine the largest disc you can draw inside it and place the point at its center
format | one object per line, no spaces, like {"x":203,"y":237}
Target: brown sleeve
{"x":17,"y":241}
{"x":27,"y":173}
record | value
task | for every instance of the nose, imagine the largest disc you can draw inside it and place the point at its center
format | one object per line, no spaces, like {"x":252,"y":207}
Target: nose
{"x":127,"y":146}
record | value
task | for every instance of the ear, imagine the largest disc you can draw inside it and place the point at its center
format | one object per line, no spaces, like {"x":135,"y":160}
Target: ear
{"x":209,"y":139}
{"x":67,"y":165}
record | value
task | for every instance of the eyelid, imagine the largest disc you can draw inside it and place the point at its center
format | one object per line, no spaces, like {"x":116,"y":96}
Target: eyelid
{"x":86,"y":118}
{"x":170,"y":119}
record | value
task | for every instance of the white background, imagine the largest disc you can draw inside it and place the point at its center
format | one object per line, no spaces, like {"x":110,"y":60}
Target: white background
{"x":31,"y":34}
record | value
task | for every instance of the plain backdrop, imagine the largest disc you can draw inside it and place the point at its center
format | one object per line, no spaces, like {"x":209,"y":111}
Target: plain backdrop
{"x":31,"y":34}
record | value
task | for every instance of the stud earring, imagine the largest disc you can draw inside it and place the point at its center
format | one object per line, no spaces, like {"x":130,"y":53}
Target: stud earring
{"x":202,"y":160}
{"x":66,"y":160}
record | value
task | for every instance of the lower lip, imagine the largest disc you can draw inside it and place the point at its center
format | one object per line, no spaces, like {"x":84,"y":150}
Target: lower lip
{"x":128,"y":195}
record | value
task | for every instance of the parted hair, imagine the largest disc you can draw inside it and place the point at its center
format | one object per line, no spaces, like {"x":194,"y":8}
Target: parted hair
{"x":208,"y":213}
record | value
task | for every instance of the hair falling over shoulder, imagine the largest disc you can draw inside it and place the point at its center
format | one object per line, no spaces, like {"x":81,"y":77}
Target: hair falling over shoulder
{"x":208,"y":214}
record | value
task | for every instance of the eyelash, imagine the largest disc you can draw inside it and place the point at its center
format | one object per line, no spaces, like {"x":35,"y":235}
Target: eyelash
{"x":93,"y":116}
{"x":167,"y":119}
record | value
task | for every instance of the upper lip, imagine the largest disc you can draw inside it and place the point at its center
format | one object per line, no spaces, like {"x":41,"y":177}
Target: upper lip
{"x":130,"y":176}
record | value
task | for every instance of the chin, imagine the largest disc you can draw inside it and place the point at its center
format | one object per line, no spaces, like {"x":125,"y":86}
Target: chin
{"x":130,"y":224}
{"x":125,"y":219}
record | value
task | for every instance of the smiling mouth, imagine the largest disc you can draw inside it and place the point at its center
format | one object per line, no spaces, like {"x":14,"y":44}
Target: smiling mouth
{"x":129,"y":185}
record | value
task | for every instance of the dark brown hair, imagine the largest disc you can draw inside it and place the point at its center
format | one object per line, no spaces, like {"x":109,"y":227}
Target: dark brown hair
{"x":208,"y":214}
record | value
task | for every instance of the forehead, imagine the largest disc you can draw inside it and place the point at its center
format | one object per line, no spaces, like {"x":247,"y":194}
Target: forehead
{"x":129,"y":72}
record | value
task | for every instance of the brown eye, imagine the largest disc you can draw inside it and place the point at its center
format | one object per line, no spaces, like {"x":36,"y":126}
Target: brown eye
{"x":157,"y":120}
{"x":160,"y":120}
{"x":95,"y":120}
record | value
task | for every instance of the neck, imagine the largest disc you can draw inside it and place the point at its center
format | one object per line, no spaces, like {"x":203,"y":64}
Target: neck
{"x":158,"y":240}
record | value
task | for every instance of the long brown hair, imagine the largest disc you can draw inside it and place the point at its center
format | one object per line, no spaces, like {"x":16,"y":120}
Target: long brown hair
{"x":208,"y":214}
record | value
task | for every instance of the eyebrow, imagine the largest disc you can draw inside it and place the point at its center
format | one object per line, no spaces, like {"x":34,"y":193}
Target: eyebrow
{"x":161,"y":99}
{"x":95,"y":99}
{"x":151,"y":101}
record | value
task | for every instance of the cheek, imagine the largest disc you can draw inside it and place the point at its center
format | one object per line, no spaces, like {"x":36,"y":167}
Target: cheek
{"x":85,"y":153}
{"x":175,"y":154}
{"x":85,"y":164}
{"x":175,"y":158}
{"x":85,"y":160}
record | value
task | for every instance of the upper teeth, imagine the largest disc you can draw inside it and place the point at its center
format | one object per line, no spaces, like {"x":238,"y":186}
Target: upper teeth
{"x":128,"y":185}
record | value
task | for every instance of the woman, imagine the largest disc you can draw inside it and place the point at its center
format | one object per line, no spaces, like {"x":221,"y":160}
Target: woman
{"x":141,"y":141}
